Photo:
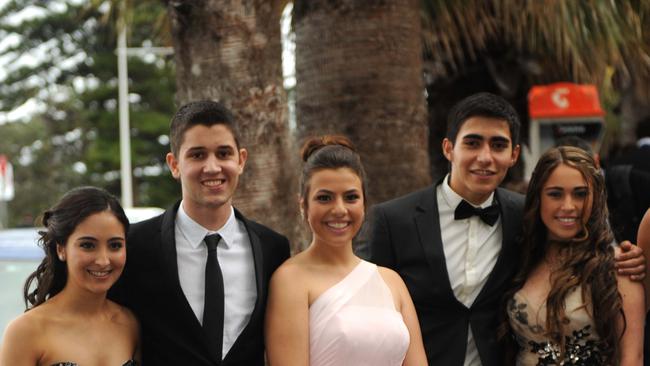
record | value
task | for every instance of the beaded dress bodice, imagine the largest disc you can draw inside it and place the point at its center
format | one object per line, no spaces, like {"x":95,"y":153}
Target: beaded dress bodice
{"x":127,"y":363}
{"x":528,"y":320}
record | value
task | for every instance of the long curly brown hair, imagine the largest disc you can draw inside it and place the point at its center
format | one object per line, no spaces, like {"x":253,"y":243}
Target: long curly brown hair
{"x":588,"y":259}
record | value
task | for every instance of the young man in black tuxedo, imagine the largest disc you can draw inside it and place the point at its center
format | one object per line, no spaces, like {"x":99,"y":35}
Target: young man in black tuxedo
{"x":197,"y":275}
{"x":455,"y":243}
{"x":628,"y":178}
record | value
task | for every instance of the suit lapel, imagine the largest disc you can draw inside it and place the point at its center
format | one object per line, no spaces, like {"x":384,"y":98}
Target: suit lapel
{"x":504,"y":264}
{"x":258,"y":258}
{"x":427,"y":222}
{"x":170,"y":267}
{"x":508,"y":223}
{"x":168,"y":245}
{"x":258,"y":309}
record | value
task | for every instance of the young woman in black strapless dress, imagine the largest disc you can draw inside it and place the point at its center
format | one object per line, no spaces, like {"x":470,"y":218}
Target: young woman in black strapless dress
{"x":69,"y":320}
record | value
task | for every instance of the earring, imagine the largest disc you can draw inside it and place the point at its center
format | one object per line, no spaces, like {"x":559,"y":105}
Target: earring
{"x":62,"y":258}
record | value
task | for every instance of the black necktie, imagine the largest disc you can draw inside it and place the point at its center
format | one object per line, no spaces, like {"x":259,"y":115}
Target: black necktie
{"x":213,"y":309}
{"x":488,"y":215}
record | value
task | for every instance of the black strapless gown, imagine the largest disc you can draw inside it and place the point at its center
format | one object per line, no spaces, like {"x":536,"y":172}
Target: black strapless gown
{"x":127,"y":363}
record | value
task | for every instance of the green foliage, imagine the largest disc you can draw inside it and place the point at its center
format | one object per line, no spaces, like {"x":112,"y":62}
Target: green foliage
{"x":41,"y":169}
{"x":65,"y":62}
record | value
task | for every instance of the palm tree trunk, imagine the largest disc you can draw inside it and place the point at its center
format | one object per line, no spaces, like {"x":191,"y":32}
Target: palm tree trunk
{"x":231,"y":51}
{"x":359,"y":73}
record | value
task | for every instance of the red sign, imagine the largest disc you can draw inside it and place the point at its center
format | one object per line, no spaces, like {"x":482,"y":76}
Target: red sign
{"x":563,"y":100}
{"x":6,"y":179}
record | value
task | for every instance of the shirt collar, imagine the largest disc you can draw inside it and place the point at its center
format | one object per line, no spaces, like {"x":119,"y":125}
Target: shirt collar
{"x":453,"y":199}
{"x":194,"y":232}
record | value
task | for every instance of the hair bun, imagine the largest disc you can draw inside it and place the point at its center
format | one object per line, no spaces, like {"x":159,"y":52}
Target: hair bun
{"x":314,"y":144}
{"x":46,"y":217}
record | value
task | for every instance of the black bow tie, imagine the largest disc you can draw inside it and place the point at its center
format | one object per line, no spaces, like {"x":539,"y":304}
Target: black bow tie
{"x":488,"y":215}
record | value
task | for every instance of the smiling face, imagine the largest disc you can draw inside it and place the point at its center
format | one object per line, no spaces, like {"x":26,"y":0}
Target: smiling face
{"x":334,"y":206}
{"x":208,"y":165}
{"x":480,"y":157}
{"x":565,"y":204}
{"x":95,"y":253}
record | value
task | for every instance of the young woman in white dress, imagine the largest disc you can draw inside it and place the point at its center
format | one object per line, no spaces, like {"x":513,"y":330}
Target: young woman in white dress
{"x":326,"y":306}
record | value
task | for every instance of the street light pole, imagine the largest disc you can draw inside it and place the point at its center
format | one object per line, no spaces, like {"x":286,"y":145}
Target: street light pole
{"x":123,"y":101}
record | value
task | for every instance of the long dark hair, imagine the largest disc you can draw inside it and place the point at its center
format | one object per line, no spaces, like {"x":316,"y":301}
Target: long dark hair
{"x":588,"y":258}
{"x":59,"y":222}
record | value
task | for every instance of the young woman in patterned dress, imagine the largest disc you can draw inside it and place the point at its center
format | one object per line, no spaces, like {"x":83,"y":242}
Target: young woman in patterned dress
{"x":568,"y":305}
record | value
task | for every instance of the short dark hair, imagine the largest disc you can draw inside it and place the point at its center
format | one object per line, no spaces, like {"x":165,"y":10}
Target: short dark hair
{"x":575,"y":141}
{"x":59,"y":223}
{"x":483,"y":105}
{"x":202,"y":112}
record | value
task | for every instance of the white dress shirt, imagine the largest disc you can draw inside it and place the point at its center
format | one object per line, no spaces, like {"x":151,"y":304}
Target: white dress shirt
{"x":471,"y":250}
{"x":237,"y":267}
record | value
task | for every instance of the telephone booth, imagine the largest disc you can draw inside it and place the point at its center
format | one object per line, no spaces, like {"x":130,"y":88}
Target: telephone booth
{"x":562,"y":109}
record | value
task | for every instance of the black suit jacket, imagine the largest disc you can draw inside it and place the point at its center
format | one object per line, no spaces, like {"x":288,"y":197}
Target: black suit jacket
{"x":628,"y":196}
{"x":638,"y":157}
{"x":405,"y":236}
{"x":171,"y":333}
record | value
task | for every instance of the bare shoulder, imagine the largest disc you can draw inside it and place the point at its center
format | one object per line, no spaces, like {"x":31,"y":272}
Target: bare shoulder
{"x":124,"y":322}
{"x":123,"y":315}
{"x":393,"y":280}
{"x":24,"y":337}
{"x":643,"y":236}
{"x":389,"y":275}
{"x":29,"y":324}
{"x":293,"y":271}
{"x":291,"y":266}
{"x":289,"y":287}
{"x":646,"y":218}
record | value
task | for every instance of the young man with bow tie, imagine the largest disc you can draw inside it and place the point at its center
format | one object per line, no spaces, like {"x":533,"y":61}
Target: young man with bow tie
{"x":455,"y":243}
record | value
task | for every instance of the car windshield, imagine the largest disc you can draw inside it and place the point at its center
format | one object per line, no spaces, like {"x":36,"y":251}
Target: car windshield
{"x":19,"y":256}
{"x":13,"y":274}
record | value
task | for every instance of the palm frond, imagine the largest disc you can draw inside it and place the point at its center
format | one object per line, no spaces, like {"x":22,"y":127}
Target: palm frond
{"x":582,"y":37}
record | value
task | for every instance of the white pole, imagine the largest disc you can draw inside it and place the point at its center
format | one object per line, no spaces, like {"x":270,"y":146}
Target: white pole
{"x":125,"y":138}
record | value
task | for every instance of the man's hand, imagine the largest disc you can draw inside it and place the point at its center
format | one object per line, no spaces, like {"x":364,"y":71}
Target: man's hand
{"x":631,"y":261}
